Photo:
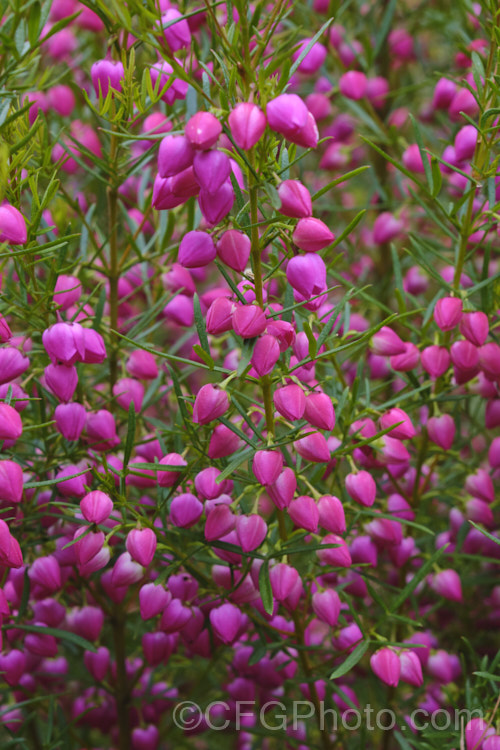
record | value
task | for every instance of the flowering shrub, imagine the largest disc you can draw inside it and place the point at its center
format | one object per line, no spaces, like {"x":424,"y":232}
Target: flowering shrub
{"x":249,"y":374}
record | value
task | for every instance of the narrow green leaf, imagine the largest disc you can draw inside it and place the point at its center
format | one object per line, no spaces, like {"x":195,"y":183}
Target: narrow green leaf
{"x":351,"y":660}
{"x":200,"y":325}
{"x":266,"y":593}
{"x":64,"y":635}
{"x":129,"y":444}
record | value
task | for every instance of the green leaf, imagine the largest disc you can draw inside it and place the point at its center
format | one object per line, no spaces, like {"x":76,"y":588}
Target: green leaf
{"x":351,"y":660}
{"x":34,"y":23}
{"x":313,"y":346}
{"x":200,"y":325}
{"x":266,"y":593}
{"x":204,"y":356}
{"x":129,"y":444}
{"x":306,"y":49}
{"x":237,"y":461}
{"x":385,"y":26}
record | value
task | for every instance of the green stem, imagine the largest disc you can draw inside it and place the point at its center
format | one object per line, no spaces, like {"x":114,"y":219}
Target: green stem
{"x":122,"y":691}
{"x":112,"y":196}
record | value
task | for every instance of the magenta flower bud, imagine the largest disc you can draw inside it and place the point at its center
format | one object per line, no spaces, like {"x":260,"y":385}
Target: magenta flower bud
{"x":386,"y":665}
{"x":283,"y":332}
{"x":386,"y":228}
{"x":152,"y":600}
{"x":361,"y":487}
{"x":127,"y":391}
{"x":307,"y":275}
{"x":87,"y":545}
{"x":353,"y":84}
{"x":331,"y":514}
{"x":175,"y":155}
{"x":175,"y":616}
{"x":185,"y":510}
{"x":312,"y":235}
{"x":12,"y":666}
{"x":304,"y":513}
{"x":308,"y":136}
{"x":96,"y":507}
{"x":64,"y":342}
{"x":125,"y":571}
{"x":40,"y":643}
{"x":223,"y":442}
{"x":266,"y":353}
{"x":494,"y":453}
{"x":203,"y":130}
{"x":411,"y":668}
{"x":62,"y":381}
{"x":219,"y":523}
{"x":251,"y":531}
{"x":465,"y":357}
{"x":287,"y":115}
{"x":476,"y":731}
{"x":11,"y":426}
{"x":386,"y":343}
{"x":249,"y":321}
{"x":12,"y":225}
{"x":220,"y":316}
{"x":339,"y":555}
{"x":67,"y":291}
{"x":326,"y":606}
{"x":106,"y":74}
{"x":480,"y":485}
{"x":147,"y":738}
{"x":267,"y":466}
{"x":492,"y":742}
{"x":313,"y":448}
{"x":475,"y":327}
{"x":435,"y":360}
{"x":489,"y":360}
{"x":404,"y":431}
{"x":216,"y":206}
{"x":444,"y":92}
{"x":94,"y":349}
{"x":295,"y":199}
{"x":70,"y":420}
{"x":86,"y":622}
{"x":319,"y":411}
{"x":206,"y":484}
{"x":46,"y":574}
{"x":197,"y":249}
{"x":140,"y":364}
{"x":480,"y":512}
{"x":12,"y":364}
{"x":97,"y":663}
{"x":101,"y":430}
{"x":313,"y":60}
{"x":447,"y":584}
{"x":247,"y":124}
{"x":10,"y":551}
{"x":168,"y":477}
{"x":290,"y":402}
{"x":465,"y":143}
{"x":11,"y":482}
{"x":283,"y":489}
{"x":177,"y":35}
{"x":377,"y":89}
{"x":180,"y":310}
{"x":5,"y":332}
{"x":209,"y":404}
{"x":141,"y":544}
{"x":441,"y":430}
{"x":227,"y":622}
{"x":211,"y":169}
{"x":448,"y":312}
{"x":233,"y":248}
{"x":412,"y":159}
{"x":283,"y":580}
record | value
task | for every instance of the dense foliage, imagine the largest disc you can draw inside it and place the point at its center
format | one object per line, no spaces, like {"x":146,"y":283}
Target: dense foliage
{"x":249,"y":374}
